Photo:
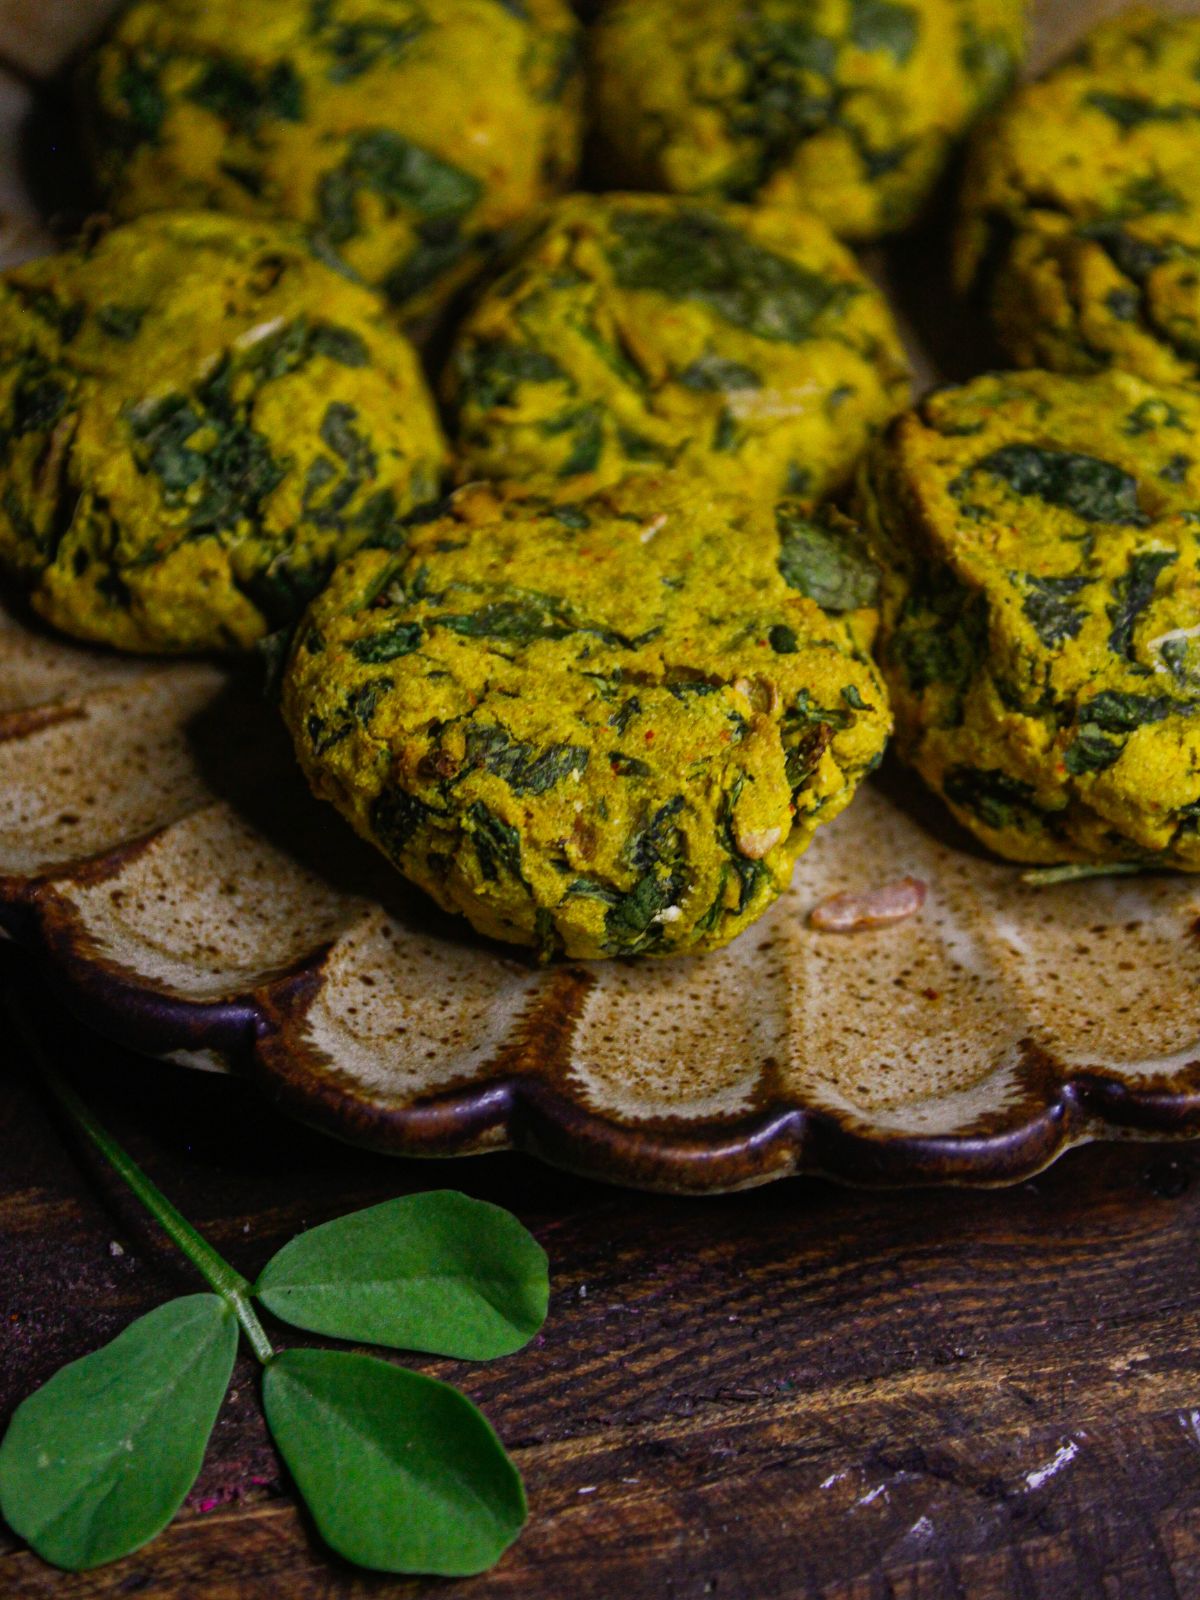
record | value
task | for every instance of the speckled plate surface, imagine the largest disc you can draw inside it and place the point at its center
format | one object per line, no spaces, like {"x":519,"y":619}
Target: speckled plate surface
{"x":159,"y":851}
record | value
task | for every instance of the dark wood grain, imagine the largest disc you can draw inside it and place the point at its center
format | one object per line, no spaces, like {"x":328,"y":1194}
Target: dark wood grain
{"x":800,"y":1391}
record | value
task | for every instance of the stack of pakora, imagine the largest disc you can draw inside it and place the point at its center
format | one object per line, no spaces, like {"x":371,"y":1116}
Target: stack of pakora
{"x":599,"y":699}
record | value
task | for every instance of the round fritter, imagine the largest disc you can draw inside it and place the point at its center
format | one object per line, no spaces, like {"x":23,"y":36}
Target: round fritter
{"x":1081,"y":219}
{"x":599,"y":727}
{"x":197,"y":420}
{"x":842,"y":107}
{"x":1041,"y":611}
{"x":403,"y":133}
{"x":743,"y":345}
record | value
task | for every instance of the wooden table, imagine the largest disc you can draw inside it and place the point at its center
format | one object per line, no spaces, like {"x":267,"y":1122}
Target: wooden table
{"x":800,"y":1391}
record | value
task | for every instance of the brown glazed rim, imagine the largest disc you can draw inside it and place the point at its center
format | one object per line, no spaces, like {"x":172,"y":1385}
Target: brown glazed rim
{"x":510,"y":1104}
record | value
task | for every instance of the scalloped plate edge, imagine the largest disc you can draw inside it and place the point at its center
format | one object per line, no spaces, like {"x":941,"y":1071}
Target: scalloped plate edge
{"x":512,"y":1107}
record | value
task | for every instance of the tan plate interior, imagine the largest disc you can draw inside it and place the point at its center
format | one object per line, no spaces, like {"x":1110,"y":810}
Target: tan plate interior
{"x":159,"y":850}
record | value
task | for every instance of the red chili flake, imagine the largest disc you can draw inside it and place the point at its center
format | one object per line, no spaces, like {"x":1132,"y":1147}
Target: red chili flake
{"x":649,"y":735}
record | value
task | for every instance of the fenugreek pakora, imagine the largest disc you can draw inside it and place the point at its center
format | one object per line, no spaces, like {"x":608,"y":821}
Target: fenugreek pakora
{"x":595,"y":727}
{"x":848,"y":108}
{"x":1041,"y":544}
{"x":403,"y":134}
{"x":197,"y":421}
{"x":1081,"y":207}
{"x":636,"y":332}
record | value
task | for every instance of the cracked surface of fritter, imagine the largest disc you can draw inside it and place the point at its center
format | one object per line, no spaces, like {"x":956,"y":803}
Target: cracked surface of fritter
{"x":847,"y":108}
{"x":600,"y":727}
{"x":1041,"y":541}
{"x":402,"y":133}
{"x":197,"y":421}
{"x":1081,"y":206}
{"x":636,"y":332}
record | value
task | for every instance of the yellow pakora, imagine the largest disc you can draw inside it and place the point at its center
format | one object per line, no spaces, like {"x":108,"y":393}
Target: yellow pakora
{"x":843,"y":107}
{"x":197,"y":420}
{"x":596,"y":727}
{"x":636,"y":332}
{"x":1081,"y":207}
{"x":404,"y":134}
{"x":1040,"y":632}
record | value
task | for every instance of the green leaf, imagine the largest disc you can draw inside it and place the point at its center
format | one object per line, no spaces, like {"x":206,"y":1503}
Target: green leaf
{"x":400,"y":1472}
{"x":883,"y":25}
{"x":1049,"y":603}
{"x":405,"y":176}
{"x":244,"y":102}
{"x":998,"y":800}
{"x":1090,"y":751}
{"x":497,"y":843}
{"x":438,"y":1272}
{"x":401,"y":639}
{"x":1132,"y":110}
{"x":1119,"y":712}
{"x":694,"y":255}
{"x":98,"y":1460}
{"x":1091,"y":489}
{"x":1132,"y":593}
{"x":525,"y":768}
{"x":396,"y":818}
{"x":825,"y":559}
{"x":490,"y":374}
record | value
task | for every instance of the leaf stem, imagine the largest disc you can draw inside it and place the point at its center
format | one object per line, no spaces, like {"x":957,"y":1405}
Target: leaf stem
{"x":1043,"y":877}
{"x":213,"y":1268}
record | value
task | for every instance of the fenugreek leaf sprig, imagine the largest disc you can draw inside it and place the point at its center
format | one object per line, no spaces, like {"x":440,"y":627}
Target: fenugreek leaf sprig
{"x":400,"y":1472}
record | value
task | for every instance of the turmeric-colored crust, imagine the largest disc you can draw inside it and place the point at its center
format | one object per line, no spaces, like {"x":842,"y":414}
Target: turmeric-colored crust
{"x":197,"y":420}
{"x":1081,"y":211}
{"x":600,"y":727}
{"x":403,"y":133}
{"x":743,"y":345}
{"x":847,"y":108}
{"x":1040,"y":632}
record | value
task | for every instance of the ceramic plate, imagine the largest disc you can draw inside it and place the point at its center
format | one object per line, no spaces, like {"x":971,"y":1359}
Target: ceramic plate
{"x":159,"y":851}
